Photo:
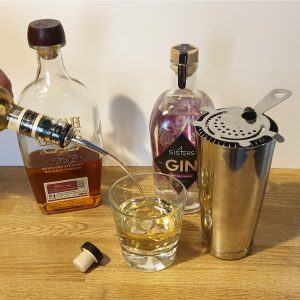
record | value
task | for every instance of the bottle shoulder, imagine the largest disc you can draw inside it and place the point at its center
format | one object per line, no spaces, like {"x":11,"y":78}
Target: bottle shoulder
{"x":182,"y":102}
{"x":59,"y":91}
{"x":68,"y":100}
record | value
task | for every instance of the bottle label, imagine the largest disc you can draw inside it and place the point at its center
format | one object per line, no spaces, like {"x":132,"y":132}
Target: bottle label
{"x":65,"y":189}
{"x":179,"y":160}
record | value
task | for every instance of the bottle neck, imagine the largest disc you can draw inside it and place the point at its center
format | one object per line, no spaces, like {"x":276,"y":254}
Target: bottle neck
{"x":50,"y":64}
{"x":33,"y":124}
{"x":183,"y":77}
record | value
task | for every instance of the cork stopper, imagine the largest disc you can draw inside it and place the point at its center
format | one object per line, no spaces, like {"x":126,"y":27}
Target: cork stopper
{"x":184,"y":54}
{"x":46,"y":33}
{"x":89,"y":255}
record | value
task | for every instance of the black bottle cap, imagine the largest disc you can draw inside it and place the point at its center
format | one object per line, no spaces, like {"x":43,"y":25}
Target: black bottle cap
{"x":94,"y":250}
{"x":190,"y":54}
{"x":45,"y":32}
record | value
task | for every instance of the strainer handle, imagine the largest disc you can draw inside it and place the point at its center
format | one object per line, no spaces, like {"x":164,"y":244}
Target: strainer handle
{"x":272,"y":99}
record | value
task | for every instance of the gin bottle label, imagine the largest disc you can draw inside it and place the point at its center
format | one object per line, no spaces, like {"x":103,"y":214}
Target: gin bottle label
{"x":179,"y":160}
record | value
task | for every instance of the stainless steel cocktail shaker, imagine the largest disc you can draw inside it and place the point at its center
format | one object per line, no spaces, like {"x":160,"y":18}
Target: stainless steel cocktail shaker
{"x":235,"y":148}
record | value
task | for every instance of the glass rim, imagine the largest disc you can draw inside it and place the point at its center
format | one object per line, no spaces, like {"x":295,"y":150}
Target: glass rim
{"x":181,"y":205}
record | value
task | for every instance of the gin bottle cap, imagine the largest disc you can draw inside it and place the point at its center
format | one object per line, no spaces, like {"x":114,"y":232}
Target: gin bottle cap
{"x":45,"y":33}
{"x":184,"y":54}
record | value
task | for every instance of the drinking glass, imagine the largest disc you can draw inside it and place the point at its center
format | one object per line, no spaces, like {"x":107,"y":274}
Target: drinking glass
{"x":148,"y":228}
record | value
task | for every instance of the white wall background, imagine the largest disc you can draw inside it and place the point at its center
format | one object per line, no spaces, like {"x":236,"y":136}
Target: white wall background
{"x":120,"y":50}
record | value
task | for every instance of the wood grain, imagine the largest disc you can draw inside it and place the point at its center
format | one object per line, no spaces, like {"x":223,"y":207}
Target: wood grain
{"x":37,"y":250}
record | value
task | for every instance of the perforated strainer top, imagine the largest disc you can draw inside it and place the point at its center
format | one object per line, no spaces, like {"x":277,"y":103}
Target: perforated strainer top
{"x":227,"y":127}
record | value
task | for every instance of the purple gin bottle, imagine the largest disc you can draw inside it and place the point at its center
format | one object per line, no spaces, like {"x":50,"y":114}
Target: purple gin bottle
{"x":173,"y":137}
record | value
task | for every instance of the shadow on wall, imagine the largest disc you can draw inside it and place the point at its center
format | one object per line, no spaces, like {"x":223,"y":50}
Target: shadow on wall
{"x":130,"y":131}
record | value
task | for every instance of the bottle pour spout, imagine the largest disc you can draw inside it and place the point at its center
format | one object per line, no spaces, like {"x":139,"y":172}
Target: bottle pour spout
{"x":86,"y":144}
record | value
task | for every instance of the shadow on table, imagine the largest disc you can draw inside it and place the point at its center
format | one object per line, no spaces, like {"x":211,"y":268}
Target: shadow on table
{"x":190,"y":243}
{"x":278,"y":223}
{"x":105,"y":261}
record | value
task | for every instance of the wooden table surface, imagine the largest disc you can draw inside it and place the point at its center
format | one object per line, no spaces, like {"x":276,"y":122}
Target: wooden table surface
{"x":36,"y":250}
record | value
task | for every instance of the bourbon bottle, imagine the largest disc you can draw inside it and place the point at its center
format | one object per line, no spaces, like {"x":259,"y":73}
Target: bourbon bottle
{"x":173,"y":137}
{"x":70,"y":178}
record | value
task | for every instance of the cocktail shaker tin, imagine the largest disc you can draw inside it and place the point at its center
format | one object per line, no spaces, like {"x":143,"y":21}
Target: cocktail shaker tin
{"x":235,"y":149}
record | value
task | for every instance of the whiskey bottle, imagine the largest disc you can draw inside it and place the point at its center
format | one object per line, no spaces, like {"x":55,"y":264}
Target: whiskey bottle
{"x":69,"y":178}
{"x":173,"y":139}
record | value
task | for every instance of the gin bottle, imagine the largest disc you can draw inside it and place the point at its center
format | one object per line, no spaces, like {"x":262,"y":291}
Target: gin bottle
{"x":69,"y":178}
{"x":173,"y":137}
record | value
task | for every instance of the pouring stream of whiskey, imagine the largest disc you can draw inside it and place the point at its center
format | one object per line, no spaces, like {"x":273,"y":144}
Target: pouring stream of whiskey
{"x":86,"y":144}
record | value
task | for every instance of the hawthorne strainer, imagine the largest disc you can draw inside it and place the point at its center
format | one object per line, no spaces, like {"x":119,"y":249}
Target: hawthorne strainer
{"x":234,"y":127}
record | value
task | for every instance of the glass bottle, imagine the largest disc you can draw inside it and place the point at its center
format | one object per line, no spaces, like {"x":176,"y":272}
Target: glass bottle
{"x":173,"y":137}
{"x":61,"y":179}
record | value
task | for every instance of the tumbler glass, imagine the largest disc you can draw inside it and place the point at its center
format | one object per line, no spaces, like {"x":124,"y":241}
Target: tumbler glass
{"x":148,"y":228}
